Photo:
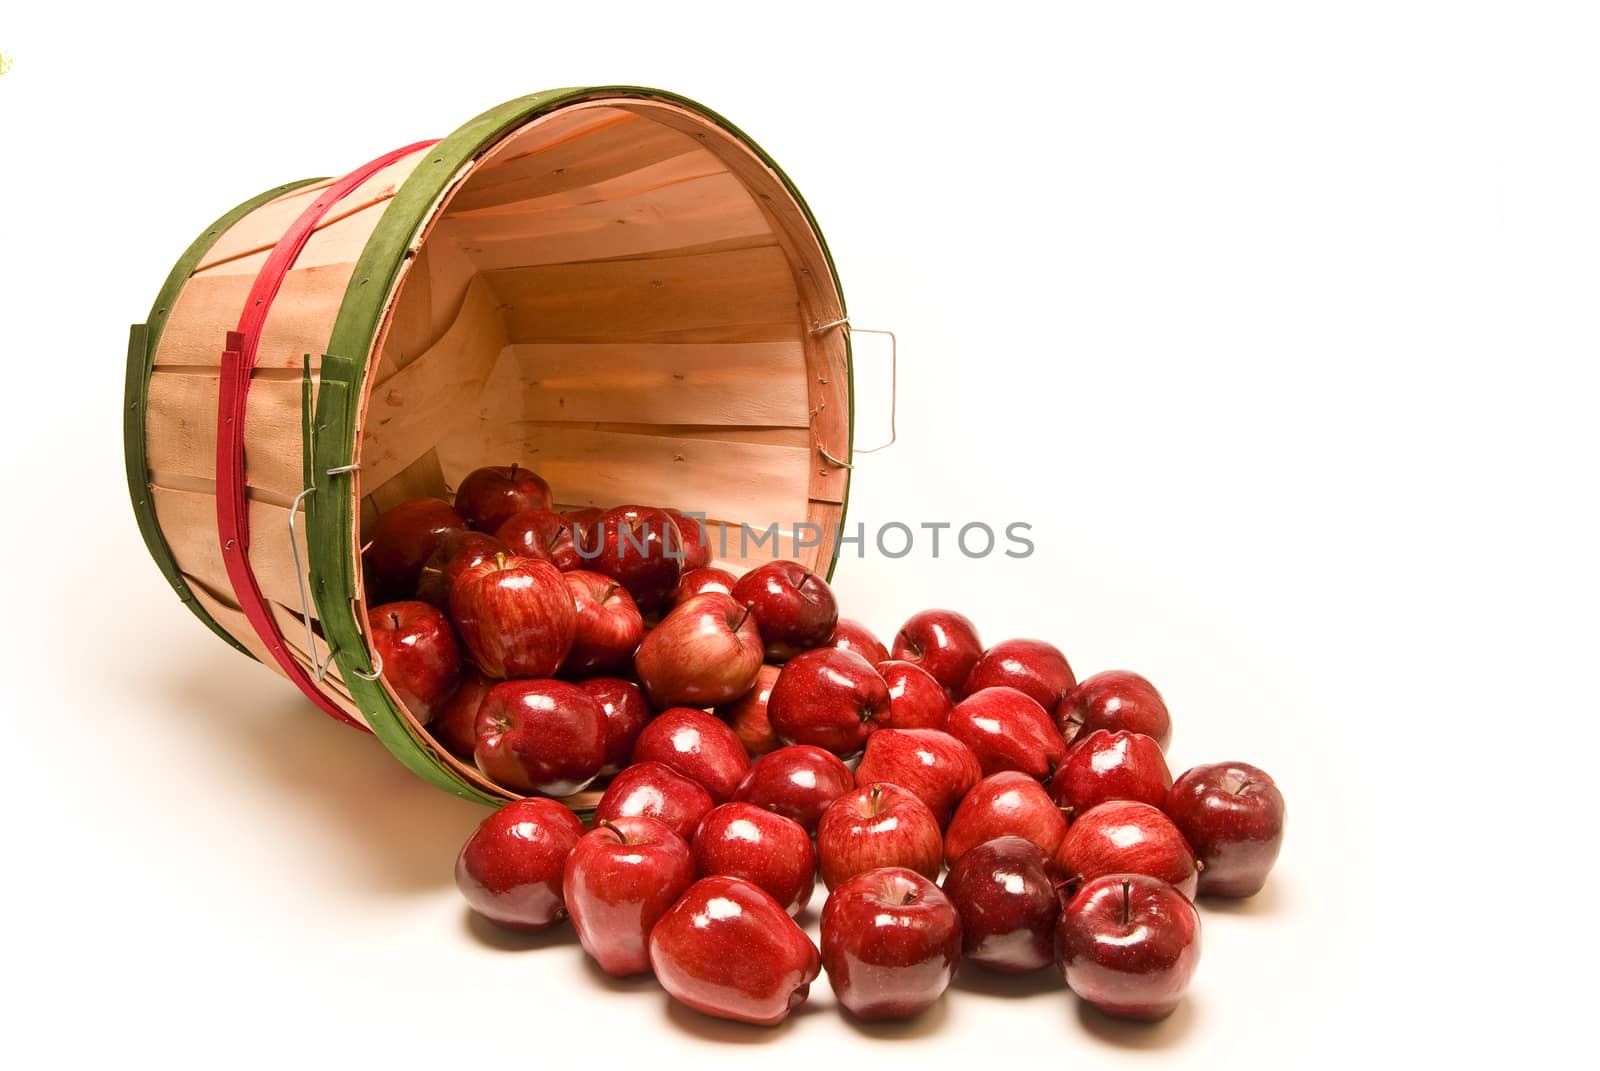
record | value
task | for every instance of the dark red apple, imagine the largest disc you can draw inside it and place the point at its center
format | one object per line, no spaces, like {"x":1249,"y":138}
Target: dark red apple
{"x":455,"y":726}
{"x":607,"y":625}
{"x":699,"y":581}
{"x":641,"y":548}
{"x":876,"y":826}
{"x":401,"y":541}
{"x":849,"y":635}
{"x":541,"y":534}
{"x":942,"y":642}
{"x":1008,"y":731}
{"x":830,"y":699}
{"x":1115,"y":699}
{"x":1104,"y":766}
{"x":510,"y":868}
{"x":1009,"y":803}
{"x":458,"y":551}
{"x":698,"y":746}
{"x":1036,"y":669}
{"x":748,"y":714}
{"x":626,"y":716}
{"x":585,"y":525}
{"x":933,"y":766}
{"x":1128,"y":944}
{"x":798,"y":782}
{"x":794,"y":607}
{"x":693,"y":540}
{"x":1232,"y":815}
{"x":515,"y":615}
{"x":890,"y":943}
{"x":706,"y":652}
{"x":655,"y":790}
{"x":420,"y":657}
{"x":767,"y":849}
{"x":540,"y":736}
{"x":1007,"y":900}
{"x":1124,"y":837}
{"x":916,"y":700}
{"x":620,"y":879}
{"x":489,"y":496}
{"x":728,"y":949}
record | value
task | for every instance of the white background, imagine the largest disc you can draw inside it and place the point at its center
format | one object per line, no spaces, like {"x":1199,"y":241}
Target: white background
{"x":1277,"y":321}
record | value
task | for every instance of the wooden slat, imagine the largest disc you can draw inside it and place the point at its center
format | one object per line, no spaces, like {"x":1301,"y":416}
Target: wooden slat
{"x":299,"y":323}
{"x":183,"y":419}
{"x":427,"y":303}
{"x":189,"y":520}
{"x":264,"y":226}
{"x":690,"y":165}
{"x":421,"y":479}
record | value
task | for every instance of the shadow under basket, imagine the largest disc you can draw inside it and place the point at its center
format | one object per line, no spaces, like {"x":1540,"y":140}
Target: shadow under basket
{"x":613,"y":286}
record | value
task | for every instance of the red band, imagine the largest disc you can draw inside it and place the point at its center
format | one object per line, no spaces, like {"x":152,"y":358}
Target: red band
{"x":238,"y":362}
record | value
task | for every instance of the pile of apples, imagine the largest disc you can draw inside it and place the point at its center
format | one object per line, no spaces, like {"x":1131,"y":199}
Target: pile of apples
{"x":753,"y":739}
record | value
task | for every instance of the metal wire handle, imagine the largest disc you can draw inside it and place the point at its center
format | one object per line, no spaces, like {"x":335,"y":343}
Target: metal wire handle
{"x":320,"y":667}
{"x":894,"y":387}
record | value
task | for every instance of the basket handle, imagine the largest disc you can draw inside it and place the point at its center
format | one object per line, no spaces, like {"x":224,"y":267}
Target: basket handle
{"x":894,"y":386}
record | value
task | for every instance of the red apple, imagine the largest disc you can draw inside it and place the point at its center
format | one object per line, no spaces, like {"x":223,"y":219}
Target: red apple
{"x":1128,"y":944}
{"x":876,"y":826}
{"x":626,"y":716}
{"x":1008,"y":731}
{"x":942,"y":642}
{"x":418,"y":650}
{"x":916,"y":700}
{"x":455,"y":727}
{"x":1008,"y":904}
{"x":693,"y":539}
{"x":933,"y":766}
{"x":727,"y":949}
{"x":798,"y":782}
{"x":828,"y":698}
{"x":1009,"y":803}
{"x":748,"y":714}
{"x":704,"y":653}
{"x":890,"y":943}
{"x":607,"y":626}
{"x":655,"y":790}
{"x":541,"y":534}
{"x":1124,"y":837}
{"x":488,"y":497}
{"x":458,"y":551}
{"x":851,"y":635}
{"x":1104,"y":766}
{"x":699,"y":581}
{"x":585,"y":526}
{"x":1232,"y":815}
{"x":1115,"y":699}
{"x":543,"y":736}
{"x":401,"y":542}
{"x":766,"y":849}
{"x":794,"y":607}
{"x":1036,"y":669}
{"x":515,"y":615}
{"x":510,"y":868}
{"x":620,"y":879}
{"x":641,"y":548}
{"x":698,"y":746}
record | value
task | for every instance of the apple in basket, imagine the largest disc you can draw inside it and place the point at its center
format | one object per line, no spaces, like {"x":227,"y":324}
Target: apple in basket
{"x":490,"y":496}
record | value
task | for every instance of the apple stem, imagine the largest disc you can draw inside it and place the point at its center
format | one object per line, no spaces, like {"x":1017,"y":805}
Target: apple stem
{"x":500,"y":559}
{"x":910,"y":897}
{"x":606,"y":824}
{"x":747,"y":608}
{"x":513,"y":470}
{"x":395,"y":618}
{"x":1125,"y":908}
{"x":874,"y":794}
{"x":610,"y":591}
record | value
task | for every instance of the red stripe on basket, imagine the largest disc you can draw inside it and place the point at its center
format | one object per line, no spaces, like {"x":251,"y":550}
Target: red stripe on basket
{"x":238,"y":362}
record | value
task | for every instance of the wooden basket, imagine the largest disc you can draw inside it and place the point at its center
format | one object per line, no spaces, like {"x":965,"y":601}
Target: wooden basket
{"x":612,"y":285}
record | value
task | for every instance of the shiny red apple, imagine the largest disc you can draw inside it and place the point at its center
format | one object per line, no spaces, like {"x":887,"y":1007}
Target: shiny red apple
{"x":876,"y":826}
{"x":798,"y":782}
{"x":541,"y":534}
{"x":515,"y":616}
{"x":747,"y":715}
{"x":698,"y":746}
{"x":1008,"y":731}
{"x":620,"y":879}
{"x":655,"y":790}
{"x":510,"y":868}
{"x":1036,"y":669}
{"x":540,"y":736}
{"x":1009,"y":803}
{"x":458,"y":551}
{"x":849,"y":635}
{"x":626,"y":713}
{"x":455,"y":726}
{"x":942,"y":642}
{"x":490,"y":496}
{"x":607,"y":625}
{"x":794,"y":607}
{"x":706,"y":652}
{"x":916,"y":700}
{"x":1128,"y":944}
{"x":694,"y":540}
{"x":891,"y":940}
{"x":699,"y":581}
{"x":420,"y":657}
{"x":1104,"y":766}
{"x":764,"y":848}
{"x":640,"y":547}
{"x":933,"y":766}
{"x":728,"y":949}
{"x":401,"y":541}
{"x":1115,"y":699}
{"x":1232,"y":815}
{"x":830,"y":699}
{"x":1006,"y":897}
{"x":1124,"y":837}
